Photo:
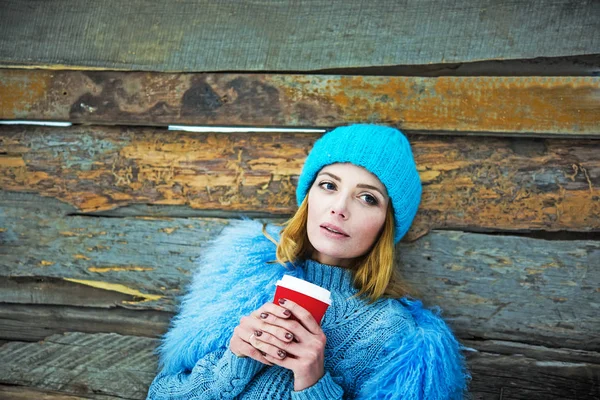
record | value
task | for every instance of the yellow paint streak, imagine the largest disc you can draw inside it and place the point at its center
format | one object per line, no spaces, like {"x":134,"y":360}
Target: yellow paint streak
{"x":118,"y":196}
{"x":45,"y":263}
{"x":116,"y":287}
{"x":11,"y":161}
{"x":488,"y":104}
{"x":120,"y":269}
{"x":80,"y":257}
{"x":550,"y":265}
{"x":68,"y":233}
{"x":87,"y":201}
{"x":21,"y":91}
{"x":168,"y":231}
{"x":531,"y":271}
{"x":428,"y":176}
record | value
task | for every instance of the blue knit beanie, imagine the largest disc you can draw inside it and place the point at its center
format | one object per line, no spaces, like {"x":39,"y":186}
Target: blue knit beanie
{"x":383,"y":151}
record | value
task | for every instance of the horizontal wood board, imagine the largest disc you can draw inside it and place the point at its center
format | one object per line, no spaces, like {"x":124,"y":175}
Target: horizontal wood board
{"x":124,"y":366}
{"x":523,"y":106}
{"x":494,"y":287}
{"x":483,"y":184}
{"x":301,"y":35}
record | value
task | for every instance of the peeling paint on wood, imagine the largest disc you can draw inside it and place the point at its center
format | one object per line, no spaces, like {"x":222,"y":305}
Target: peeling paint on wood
{"x":115,"y":287}
{"x":482,"y":281}
{"x":517,"y":105}
{"x":469,"y":183}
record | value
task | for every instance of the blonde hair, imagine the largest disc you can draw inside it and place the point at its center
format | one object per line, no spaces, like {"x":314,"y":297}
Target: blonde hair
{"x":373,"y":273}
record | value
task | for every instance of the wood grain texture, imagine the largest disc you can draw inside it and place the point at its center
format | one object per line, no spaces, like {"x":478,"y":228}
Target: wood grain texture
{"x":290,"y":35}
{"x":34,"y":322}
{"x":511,"y":288}
{"x":124,"y":366}
{"x":526,"y":106}
{"x":516,"y":377}
{"x":468,"y":183}
{"x":493,"y":287}
{"x":79,"y":364}
{"x":8,"y":392}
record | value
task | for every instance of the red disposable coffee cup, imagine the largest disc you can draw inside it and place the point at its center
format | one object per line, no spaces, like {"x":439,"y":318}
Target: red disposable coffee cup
{"x":313,"y":298}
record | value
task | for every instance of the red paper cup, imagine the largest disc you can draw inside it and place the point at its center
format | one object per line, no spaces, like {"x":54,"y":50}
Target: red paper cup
{"x":313,"y":298}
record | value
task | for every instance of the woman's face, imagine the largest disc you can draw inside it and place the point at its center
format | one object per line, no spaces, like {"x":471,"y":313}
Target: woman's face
{"x":346,"y":210}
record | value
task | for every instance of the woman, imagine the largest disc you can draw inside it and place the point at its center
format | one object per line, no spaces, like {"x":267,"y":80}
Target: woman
{"x":358,"y":193}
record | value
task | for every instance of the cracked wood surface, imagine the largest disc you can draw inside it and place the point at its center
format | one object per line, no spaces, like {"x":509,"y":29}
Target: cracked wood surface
{"x":105,"y":365}
{"x":472,"y":183}
{"x":524,"y":106}
{"x":299,"y":35}
{"x":494,"y":287}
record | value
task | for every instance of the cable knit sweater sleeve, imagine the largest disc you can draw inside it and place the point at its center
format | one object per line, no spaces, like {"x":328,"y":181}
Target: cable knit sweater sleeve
{"x":324,"y":389}
{"x":218,"y":375}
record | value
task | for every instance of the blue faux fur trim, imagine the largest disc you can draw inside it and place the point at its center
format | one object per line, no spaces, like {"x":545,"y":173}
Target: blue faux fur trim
{"x":235,"y":276}
{"x":425,"y":364}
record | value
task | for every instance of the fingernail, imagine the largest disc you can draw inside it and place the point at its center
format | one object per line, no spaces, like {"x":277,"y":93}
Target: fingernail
{"x":281,"y":353}
{"x":282,"y":301}
{"x":258,"y":333}
{"x":287,"y":313}
{"x":264,"y":315}
{"x":288,"y":336}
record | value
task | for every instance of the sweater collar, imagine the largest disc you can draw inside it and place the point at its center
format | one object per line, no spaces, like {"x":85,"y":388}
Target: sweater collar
{"x":335,"y":279}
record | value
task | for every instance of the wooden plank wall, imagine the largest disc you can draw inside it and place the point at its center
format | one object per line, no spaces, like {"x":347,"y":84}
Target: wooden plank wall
{"x":101,"y":221}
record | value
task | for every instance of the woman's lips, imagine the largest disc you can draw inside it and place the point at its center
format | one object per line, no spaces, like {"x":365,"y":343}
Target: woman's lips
{"x":333,"y":231}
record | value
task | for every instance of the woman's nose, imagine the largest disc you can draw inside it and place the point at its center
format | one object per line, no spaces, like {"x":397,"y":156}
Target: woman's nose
{"x":340,"y":208}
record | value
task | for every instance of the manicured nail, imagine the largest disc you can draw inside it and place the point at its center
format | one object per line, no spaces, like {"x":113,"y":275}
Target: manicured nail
{"x":258,"y":333}
{"x":288,"y":336}
{"x":264,"y":315}
{"x":287,"y":313}
{"x":282,"y":301}
{"x":281,"y":353}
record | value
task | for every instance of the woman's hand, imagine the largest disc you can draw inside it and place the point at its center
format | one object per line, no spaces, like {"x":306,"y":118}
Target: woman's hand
{"x":304,"y":355}
{"x":254,"y":326}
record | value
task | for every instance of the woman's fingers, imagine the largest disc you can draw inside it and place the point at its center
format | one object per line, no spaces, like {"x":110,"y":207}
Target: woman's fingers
{"x":241,"y":346}
{"x":269,"y":345}
{"x":268,"y":323}
{"x":272,"y":309}
{"x":302,"y":315}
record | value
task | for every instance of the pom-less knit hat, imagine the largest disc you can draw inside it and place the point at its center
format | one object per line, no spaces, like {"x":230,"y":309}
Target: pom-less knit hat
{"x":383,"y":151}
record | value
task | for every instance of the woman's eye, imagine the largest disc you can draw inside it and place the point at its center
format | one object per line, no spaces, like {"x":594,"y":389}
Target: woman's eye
{"x":369,"y":199}
{"x":327,"y":185}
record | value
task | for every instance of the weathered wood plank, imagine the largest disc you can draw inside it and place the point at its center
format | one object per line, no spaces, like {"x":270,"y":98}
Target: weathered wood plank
{"x":30,"y":323}
{"x":528,"y":106}
{"x":540,"y":353}
{"x":135,"y":263}
{"x":290,"y":35}
{"x":518,"y":288}
{"x":494,"y":287}
{"x":516,"y":377}
{"x":25,"y":393}
{"x":469,"y":183}
{"x":77,"y":363}
{"x":80,"y":364}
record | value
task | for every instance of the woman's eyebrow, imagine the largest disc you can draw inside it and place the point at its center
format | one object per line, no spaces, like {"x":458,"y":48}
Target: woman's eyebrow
{"x":360,"y":185}
{"x":331,"y":175}
{"x":365,"y":186}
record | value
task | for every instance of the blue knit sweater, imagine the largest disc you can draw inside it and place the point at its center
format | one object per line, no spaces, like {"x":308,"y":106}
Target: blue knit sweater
{"x":390,"y":349}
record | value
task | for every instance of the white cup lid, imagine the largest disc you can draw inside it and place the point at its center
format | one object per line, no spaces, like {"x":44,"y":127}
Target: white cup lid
{"x":305,"y":287}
